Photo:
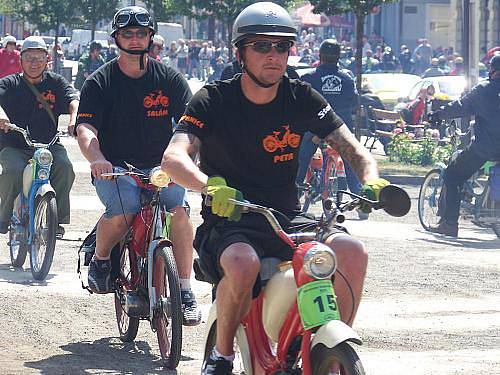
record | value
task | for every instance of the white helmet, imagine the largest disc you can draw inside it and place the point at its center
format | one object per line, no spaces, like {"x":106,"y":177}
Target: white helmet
{"x":158,"y":39}
{"x":34,"y":42}
{"x":8,"y":39}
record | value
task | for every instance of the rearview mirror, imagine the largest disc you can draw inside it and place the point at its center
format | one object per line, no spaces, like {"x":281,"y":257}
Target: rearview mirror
{"x":394,"y":200}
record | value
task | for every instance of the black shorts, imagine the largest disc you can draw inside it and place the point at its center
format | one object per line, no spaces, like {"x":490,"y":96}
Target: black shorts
{"x":211,"y":240}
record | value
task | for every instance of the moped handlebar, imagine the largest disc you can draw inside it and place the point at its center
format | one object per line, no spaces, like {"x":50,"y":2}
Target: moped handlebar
{"x":28,"y":140}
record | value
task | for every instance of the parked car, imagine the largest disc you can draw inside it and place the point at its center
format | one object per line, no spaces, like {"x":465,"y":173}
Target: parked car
{"x":389,"y":87}
{"x":447,"y":88}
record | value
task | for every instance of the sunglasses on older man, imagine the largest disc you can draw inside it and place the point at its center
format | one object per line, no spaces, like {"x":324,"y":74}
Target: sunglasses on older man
{"x":265,"y":46}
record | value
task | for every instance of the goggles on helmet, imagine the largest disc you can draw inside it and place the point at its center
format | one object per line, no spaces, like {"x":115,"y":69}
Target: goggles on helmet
{"x":124,"y":19}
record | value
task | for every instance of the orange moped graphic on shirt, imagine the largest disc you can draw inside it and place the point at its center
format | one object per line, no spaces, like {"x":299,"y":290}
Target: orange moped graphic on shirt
{"x":49,"y":97}
{"x":154,"y":99}
{"x":272,"y":142}
{"x":156,"y":103}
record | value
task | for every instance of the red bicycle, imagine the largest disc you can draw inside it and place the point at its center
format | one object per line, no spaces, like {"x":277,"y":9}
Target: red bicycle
{"x":145,"y":273}
{"x":294,"y":325}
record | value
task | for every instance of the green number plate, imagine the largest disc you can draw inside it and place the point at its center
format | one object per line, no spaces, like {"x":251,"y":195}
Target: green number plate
{"x":317,"y":303}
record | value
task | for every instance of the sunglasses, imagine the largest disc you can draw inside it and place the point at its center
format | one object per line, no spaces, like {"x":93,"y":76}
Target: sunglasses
{"x":34,"y":58}
{"x":123,"y":19}
{"x":129,"y":34}
{"x":265,"y":46}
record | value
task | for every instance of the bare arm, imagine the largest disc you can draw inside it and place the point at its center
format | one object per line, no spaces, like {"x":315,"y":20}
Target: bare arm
{"x":178,"y":162}
{"x":4,"y":120}
{"x":73,"y":111}
{"x":89,"y":146}
{"x":358,"y":157}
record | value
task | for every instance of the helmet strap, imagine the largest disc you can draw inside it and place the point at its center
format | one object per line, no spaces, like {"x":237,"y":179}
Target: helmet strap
{"x":135,"y":52}
{"x":250,"y":74}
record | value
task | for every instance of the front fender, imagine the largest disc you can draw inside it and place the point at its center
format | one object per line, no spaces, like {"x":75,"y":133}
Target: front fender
{"x":44,"y":189}
{"x":333,"y":333}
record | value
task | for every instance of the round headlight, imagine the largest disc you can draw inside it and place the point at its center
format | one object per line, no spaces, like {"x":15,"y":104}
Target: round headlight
{"x":320,"y":262}
{"x":43,"y":156}
{"x":158,"y":177}
{"x":43,"y":174}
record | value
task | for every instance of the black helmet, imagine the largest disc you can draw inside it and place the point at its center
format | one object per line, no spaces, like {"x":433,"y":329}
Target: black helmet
{"x":495,"y":62}
{"x":133,"y":16}
{"x":94,"y":45}
{"x":329,"y":47}
{"x":263,"y":18}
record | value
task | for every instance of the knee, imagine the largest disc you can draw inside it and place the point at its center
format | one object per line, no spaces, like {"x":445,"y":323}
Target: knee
{"x":351,"y":253}
{"x":241,"y":266}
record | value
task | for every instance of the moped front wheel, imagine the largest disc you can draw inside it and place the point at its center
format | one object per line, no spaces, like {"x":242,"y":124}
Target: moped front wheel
{"x":127,"y":326}
{"x":44,"y":236}
{"x":428,"y":199}
{"x":167,"y":319}
{"x":324,"y":359}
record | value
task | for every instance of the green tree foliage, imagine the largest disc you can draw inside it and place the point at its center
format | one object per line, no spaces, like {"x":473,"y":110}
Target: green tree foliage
{"x":361,"y":8}
{"x":93,"y":11}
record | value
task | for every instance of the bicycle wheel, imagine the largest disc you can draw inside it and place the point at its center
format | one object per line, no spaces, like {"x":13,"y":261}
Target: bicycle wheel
{"x":18,"y":247}
{"x":428,"y":198}
{"x":127,"y":326}
{"x":167,"y":319}
{"x":44,"y":237}
{"x":323,"y":358}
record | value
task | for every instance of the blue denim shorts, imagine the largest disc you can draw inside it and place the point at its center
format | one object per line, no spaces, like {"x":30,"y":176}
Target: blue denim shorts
{"x":122,"y":195}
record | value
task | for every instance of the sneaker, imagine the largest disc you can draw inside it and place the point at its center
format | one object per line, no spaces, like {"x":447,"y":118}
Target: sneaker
{"x":362,"y":214}
{"x":217,"y":366}
{"x":191,"y":315}
{"x":4,"y":227}
{"x":445,"y":228}
{"x":60,"y":232}
{"x":99,"y":278}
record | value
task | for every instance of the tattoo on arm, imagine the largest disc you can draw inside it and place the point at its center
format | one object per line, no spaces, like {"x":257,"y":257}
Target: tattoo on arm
{"x":351,"y":150}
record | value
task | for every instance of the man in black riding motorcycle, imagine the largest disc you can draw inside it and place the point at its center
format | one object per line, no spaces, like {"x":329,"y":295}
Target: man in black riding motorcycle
{"x":21,"y":96}
{"x":226,"y":123}
{"x":118,"y":123}
{"x":484,"y":103}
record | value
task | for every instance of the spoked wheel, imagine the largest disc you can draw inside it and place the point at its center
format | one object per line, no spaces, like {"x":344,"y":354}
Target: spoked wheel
{"x":44,"y":236}
{"x":238,"y":365}
{"x":127,"y":326}
{"x":342,"y":356}
{"x":18,"y":238}
{"x":167,"y":319}
{"x":428,"y":198}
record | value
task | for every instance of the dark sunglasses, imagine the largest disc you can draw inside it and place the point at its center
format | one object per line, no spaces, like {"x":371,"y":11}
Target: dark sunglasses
{"x":129,"y":34}
{"x":265,"y":46}
{"x":123,"y":19}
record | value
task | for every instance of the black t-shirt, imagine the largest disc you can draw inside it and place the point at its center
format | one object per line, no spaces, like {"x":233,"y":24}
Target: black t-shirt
{"x":133,"y":117}
{"x":255,"y":147}
{"x":24,"y":110}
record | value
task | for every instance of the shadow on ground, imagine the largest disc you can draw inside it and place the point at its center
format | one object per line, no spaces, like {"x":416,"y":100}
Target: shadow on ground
{"x":106,"y":355}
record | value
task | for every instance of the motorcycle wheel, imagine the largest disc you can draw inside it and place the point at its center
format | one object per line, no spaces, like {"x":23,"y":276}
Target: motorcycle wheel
{"x":17,"y":240}
{"x":167,"y":319}
{"x":322,"y":359}
{"x":238,"y":366}
{"x":127,"y":326}
{"x":44,"y":237}
{"x":428,"y":198}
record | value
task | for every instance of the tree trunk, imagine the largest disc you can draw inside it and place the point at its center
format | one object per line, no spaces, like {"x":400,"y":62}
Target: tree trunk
{"x":55,"y":62}
{"x":360,"y":22}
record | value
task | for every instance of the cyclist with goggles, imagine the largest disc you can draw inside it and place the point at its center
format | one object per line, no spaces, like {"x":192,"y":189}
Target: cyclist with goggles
{"x":227,"y":123}
{"x":126,"y":115}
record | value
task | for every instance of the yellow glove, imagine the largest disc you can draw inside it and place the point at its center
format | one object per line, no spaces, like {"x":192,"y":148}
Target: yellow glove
{"x":371,"y":190}
{"x":221,"y":193}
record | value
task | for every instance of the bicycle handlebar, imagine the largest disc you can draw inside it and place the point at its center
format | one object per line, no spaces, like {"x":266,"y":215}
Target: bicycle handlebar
{"x":29,"y":142}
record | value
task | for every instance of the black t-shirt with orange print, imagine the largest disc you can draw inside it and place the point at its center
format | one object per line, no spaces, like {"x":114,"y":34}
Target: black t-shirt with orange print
{"x":255,"y":147}
{"x":133,"y":117}
{"x":23,"y":109}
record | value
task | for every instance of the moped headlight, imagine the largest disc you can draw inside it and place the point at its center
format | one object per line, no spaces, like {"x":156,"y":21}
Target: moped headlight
{"x":320,"y":262}
{"x":43,"y":156}
{"x":158,"y":177}
{"x":43,"y":174}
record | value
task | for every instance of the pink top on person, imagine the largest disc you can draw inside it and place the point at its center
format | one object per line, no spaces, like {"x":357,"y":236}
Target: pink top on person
{"x":10,"y":62}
